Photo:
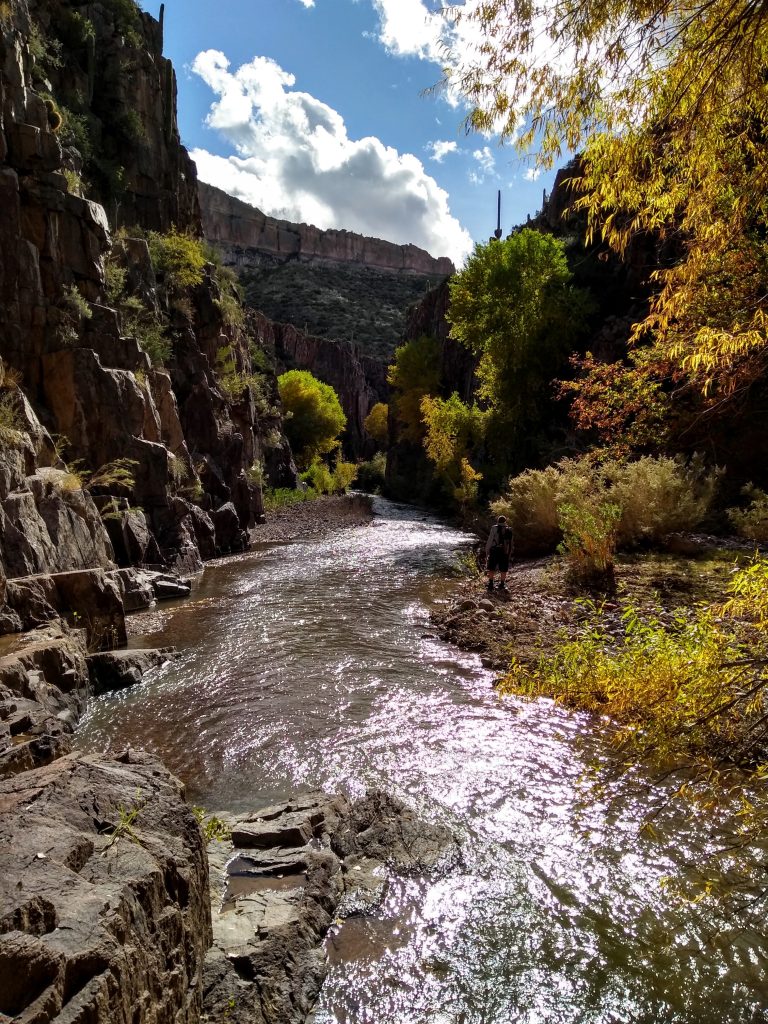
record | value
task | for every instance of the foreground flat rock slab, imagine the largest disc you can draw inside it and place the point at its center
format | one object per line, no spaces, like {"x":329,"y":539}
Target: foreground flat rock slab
{"x":104,"y":904}
{"x":289,"y":872}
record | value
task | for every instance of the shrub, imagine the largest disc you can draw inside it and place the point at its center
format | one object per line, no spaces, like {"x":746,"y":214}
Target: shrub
{"x":655,"y":496}
{"x":344,"y":474}
{"x":260,"y":358}
{"x":693,"y":687}
{"x":752,"y":522}
{"x":319,"y":477}
{"x":143,"y":325}
{"x":255,"y":474}
{"x":180,"y":258}
{"x":532,"y":499}
{"x":76,"y":133}
{"x":659,"y":496}
{"x":371,"y":475}
{"x":74,"y":182}
{"x":589,"y":539}
{"x":232,"y":313}
{"x":10,"y":422}
{"x":233,"y":382}
{"x":116,"y":475}
{"x":74,"y":303}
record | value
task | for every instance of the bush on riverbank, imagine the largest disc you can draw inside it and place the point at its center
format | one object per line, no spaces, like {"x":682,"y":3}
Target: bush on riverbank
{"x":655,"y":497}
{"x":371,"y":475}
{"x":692,"y":689}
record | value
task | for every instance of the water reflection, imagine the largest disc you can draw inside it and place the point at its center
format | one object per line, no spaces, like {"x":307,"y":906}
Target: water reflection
{"x":312,"y":663}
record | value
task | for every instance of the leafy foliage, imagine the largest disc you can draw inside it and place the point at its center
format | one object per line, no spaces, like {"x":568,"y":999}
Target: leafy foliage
{"x":692,"y":689}
{"x":589,"y":538}
{"x":414,"y":374}
{"x":179,"y":257}
{"x":667,"y":104}
{"x":622,"y":406}
{"x":654,"y":497}
{"x":453,"y":431}
{"x":371,"y":475}
{"x":752,"y":521}
{"x":376,"y":424}
{"x":212,"y":827}
{"x":233,"y":382}
{"x":314,"y":418}
{"x":514,"y":307}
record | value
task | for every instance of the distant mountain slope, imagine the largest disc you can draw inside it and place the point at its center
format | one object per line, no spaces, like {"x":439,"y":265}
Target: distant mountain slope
{"x":330,"y":284}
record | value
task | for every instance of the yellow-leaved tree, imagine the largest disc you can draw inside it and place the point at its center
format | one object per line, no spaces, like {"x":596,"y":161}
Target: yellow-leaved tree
{"x":667,"y":103}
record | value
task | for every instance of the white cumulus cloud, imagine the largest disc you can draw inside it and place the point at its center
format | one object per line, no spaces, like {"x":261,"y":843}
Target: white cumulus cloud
{"x":294,"y":159}
{"x":532,"y":174}
{"x":486,"y":159}
{"x":439,"y":149}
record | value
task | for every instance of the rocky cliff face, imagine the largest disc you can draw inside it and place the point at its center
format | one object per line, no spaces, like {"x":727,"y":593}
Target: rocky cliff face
{"x":328,"y":284}
{"x":359,"y":382}
{"x":230,"y":222}
{"x":104,"y":912}
{"x":87,"y":111}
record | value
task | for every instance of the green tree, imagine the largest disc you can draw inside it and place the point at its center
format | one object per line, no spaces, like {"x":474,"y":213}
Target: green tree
{"x":314,"y":416}
{"x":513,"y":305}
{"x":414,"y":374}
{"x":376,"y":424}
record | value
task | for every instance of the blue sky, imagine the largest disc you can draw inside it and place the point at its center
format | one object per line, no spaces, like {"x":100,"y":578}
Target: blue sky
{"x":313,"y":110}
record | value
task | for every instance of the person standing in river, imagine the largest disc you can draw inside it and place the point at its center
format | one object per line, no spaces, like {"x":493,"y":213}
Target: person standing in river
{"x":498,"y":551}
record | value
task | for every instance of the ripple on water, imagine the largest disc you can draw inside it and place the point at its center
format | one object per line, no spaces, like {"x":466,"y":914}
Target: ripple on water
{"x":308,"y":664}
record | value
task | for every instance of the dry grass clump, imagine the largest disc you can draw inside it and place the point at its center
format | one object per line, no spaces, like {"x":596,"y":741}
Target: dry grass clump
{"x":11,"y":425}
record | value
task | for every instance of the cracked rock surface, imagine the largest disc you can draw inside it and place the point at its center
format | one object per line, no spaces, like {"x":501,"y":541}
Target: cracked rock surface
{"x":104,"y":913}
{"x":289,"y":872}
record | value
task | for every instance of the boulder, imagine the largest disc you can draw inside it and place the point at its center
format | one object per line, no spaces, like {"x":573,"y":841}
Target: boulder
{"x":136,"y":587}
{"x":229,"y":534}
{"x":116,"y":670}
{"x":104,"y":913}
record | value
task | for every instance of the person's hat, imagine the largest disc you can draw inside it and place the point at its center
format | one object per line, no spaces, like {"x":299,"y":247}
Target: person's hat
{"x":502,"y":519}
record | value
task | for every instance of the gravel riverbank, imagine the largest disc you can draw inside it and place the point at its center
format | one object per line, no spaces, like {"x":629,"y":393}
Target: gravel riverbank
{"x":313,"y":518}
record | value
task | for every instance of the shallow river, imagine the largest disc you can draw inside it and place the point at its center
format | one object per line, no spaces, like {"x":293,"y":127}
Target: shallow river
{"x":313,"y":664}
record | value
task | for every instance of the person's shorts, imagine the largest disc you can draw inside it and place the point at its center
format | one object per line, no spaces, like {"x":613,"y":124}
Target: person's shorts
{"x":498,"y":560}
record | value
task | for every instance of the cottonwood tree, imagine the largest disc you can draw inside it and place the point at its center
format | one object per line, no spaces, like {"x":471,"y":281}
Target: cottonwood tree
{"x":513,"y":305}
{"x":314,"y":418}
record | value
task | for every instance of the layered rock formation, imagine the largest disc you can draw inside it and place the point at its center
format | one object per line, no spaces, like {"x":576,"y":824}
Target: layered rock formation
{"x":337,"y":300}
{"x":229,"y":222}
{"x":104,"y":913}
{"x":359,"y":382}
{"x":74,"y":382}
{"x":291,"y":873}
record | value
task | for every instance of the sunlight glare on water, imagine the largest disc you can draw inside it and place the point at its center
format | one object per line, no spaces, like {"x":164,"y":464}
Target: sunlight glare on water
{"x":313,"y":664}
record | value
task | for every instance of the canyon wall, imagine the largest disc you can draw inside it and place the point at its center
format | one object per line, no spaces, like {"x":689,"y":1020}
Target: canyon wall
{"x":359,"y":382}
{"x":87,"y":112}
{"x":232,"y":223}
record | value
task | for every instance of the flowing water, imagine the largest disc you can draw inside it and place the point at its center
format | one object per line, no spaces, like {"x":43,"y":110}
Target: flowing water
{"x":313,"y":664}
